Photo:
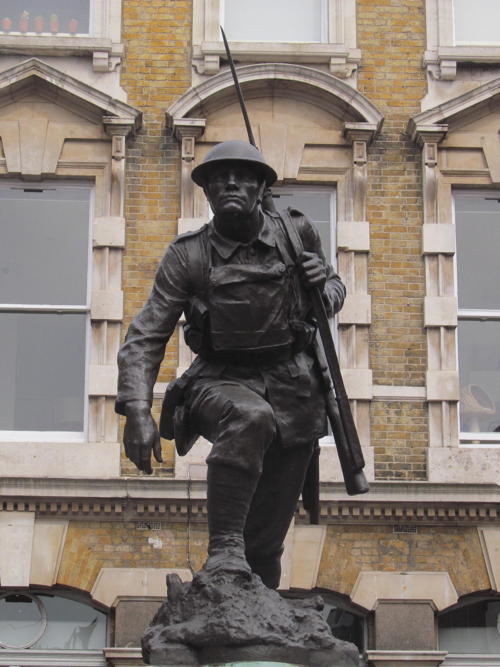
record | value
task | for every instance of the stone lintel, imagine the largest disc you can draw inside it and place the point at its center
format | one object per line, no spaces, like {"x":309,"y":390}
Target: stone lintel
{"x":112,"y":583}
{"x":374,"y":586}
{"x":412,"y":658}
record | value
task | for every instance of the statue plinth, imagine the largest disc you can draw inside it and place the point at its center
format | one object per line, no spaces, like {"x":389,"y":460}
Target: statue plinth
{"x":231,"y":617}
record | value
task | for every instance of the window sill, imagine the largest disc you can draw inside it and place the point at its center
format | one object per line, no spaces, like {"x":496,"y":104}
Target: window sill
{"x":106,"y":55}
{"x":460,"y":465}
{"x":95,"y":460}
{"x":442,"y":62}
{"x":342,"y":60}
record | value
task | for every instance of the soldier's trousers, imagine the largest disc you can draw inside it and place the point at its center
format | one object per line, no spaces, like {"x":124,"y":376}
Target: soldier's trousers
{"x":241,"y":426}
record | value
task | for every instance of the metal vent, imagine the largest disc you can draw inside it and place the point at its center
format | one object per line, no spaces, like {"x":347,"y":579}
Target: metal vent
{"x":404,"y":528}
{"x":148,"y":525}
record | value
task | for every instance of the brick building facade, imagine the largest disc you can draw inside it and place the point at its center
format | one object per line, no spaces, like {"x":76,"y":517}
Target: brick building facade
{"x":384,"y":115}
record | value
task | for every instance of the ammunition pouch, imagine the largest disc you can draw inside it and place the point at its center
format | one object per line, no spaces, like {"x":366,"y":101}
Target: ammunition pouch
{"x":174,"y":421}
{"x":196,"y":328}
{"x":304,"y":334}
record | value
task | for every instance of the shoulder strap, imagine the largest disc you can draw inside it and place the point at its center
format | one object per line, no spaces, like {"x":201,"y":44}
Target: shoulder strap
{"x":290,"y":232}
{"x":199,"y":261}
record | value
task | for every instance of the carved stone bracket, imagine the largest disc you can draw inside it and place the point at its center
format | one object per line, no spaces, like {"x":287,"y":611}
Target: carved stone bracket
{"x":342,"y":67}
{"x":186,"y":131}
{"x":118,"y":129}
{"x":361,"y":131}
{"x":360,"y":135}
{"x":427,"y":135}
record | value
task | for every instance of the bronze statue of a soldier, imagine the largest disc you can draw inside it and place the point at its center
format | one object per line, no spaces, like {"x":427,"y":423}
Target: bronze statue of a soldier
{"x":254,"y":390}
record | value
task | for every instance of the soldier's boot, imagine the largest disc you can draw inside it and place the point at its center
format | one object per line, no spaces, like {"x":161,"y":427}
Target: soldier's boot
{"x":229,"y":495}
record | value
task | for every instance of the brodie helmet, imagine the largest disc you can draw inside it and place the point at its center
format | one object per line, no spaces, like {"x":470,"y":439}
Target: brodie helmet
{"x":234,"y":151}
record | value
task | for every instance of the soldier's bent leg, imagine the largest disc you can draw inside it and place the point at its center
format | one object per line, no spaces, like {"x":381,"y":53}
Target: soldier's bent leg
{"x":273,"y":507}
{"x":241,"y":426}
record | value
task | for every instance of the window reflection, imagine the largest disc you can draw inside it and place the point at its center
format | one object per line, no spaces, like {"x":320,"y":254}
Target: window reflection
{"x":473,"y":628}
{"x":285,"y":20}
{"x":50,"y":622}
{"x":477,"y":221}
{"x":470,"y":24}
{"x":46,"y":16}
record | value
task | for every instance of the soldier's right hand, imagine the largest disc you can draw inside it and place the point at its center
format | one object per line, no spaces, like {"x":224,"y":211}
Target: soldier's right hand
{"x":141,"y":436}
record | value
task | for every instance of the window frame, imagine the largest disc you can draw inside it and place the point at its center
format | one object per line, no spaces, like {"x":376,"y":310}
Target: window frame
{"x":443,"y":54}
{"x":338,"y":49}
{"x":102,"y":43}
{"x":62,"y":33}
{"x":472,"y":439}
{"x":60,"y":436}
{"x":324,"y":19}
{"x":469,"y":659}
{"x":27,"y":657}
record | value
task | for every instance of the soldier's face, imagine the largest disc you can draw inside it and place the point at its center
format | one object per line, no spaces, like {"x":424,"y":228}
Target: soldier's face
{"x":233,"y":189}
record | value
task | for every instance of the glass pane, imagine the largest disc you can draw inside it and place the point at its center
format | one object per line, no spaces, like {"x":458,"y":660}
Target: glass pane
{"x":276,"y":21}
{"x":48,"y":622}
{"x":44,"y":245}
{"x":479,"y":365}
{"x":46,"y":16}
{"x":42,"y":378}
{"x":21,"y":621}
{"x":477,"y":219}
{"x":72,"y":625}
{"x":471,"y":629}
{"x":476,"y":22}
{"x":318,"y":208}
{"x":346,"y":626}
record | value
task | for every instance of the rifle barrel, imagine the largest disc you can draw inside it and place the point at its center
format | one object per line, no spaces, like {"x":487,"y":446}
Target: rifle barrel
{"x":239,"y":92}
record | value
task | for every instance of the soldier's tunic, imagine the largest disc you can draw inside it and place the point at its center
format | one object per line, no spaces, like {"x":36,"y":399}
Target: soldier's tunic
{"x":255,"y":394}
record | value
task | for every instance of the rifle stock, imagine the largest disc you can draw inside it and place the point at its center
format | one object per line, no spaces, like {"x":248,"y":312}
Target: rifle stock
{"x":348,"y":447}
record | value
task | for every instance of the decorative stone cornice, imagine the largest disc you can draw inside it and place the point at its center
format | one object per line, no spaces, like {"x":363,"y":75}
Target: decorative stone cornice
{"x":170,"y":500}
{"x":84,"y":100}
{"x":422,"y":133}
{"x":436,"y":120}
{"x":361,"y":131}
{"x":320,"y":88}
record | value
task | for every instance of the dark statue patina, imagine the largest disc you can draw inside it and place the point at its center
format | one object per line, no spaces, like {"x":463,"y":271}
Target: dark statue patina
{"x":256,"y":393}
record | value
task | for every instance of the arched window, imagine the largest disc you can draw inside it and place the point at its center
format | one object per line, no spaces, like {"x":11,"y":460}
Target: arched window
{"x":471,"y":627}
{"x":34,"y":622}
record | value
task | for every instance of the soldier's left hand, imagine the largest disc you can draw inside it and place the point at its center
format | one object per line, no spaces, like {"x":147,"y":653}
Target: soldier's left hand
{"x":312,"y":270}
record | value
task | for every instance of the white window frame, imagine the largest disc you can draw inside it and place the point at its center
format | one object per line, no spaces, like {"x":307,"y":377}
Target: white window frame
{"x":473,"y":439}
{"x":103,"y":42}
{"x":443,"y":54}
{"x":338,"y":48}
{"x":324,"y":8}
{"x":60,"y":436}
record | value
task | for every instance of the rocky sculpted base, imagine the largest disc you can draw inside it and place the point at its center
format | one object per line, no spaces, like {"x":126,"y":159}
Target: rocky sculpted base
{"x":228,"y":616}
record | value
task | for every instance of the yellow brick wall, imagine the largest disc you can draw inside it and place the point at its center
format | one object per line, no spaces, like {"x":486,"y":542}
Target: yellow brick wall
{"x":156,"y":71}
{"x":391,"y":35}
{"x":92,"y":545}
{"x":351,"y":549}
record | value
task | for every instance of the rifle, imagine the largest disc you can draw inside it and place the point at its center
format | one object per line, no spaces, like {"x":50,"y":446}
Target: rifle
{"x":337,"y":404}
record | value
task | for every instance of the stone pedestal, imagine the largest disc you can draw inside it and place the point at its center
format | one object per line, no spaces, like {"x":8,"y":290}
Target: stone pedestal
{"x":226,"y":617}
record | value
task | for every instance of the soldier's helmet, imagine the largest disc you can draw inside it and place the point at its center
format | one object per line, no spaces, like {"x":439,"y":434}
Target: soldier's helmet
{"x":234,"y":151}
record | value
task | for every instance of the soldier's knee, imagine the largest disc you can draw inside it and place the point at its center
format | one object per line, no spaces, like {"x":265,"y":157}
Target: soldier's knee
{"x":257,"y":418}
